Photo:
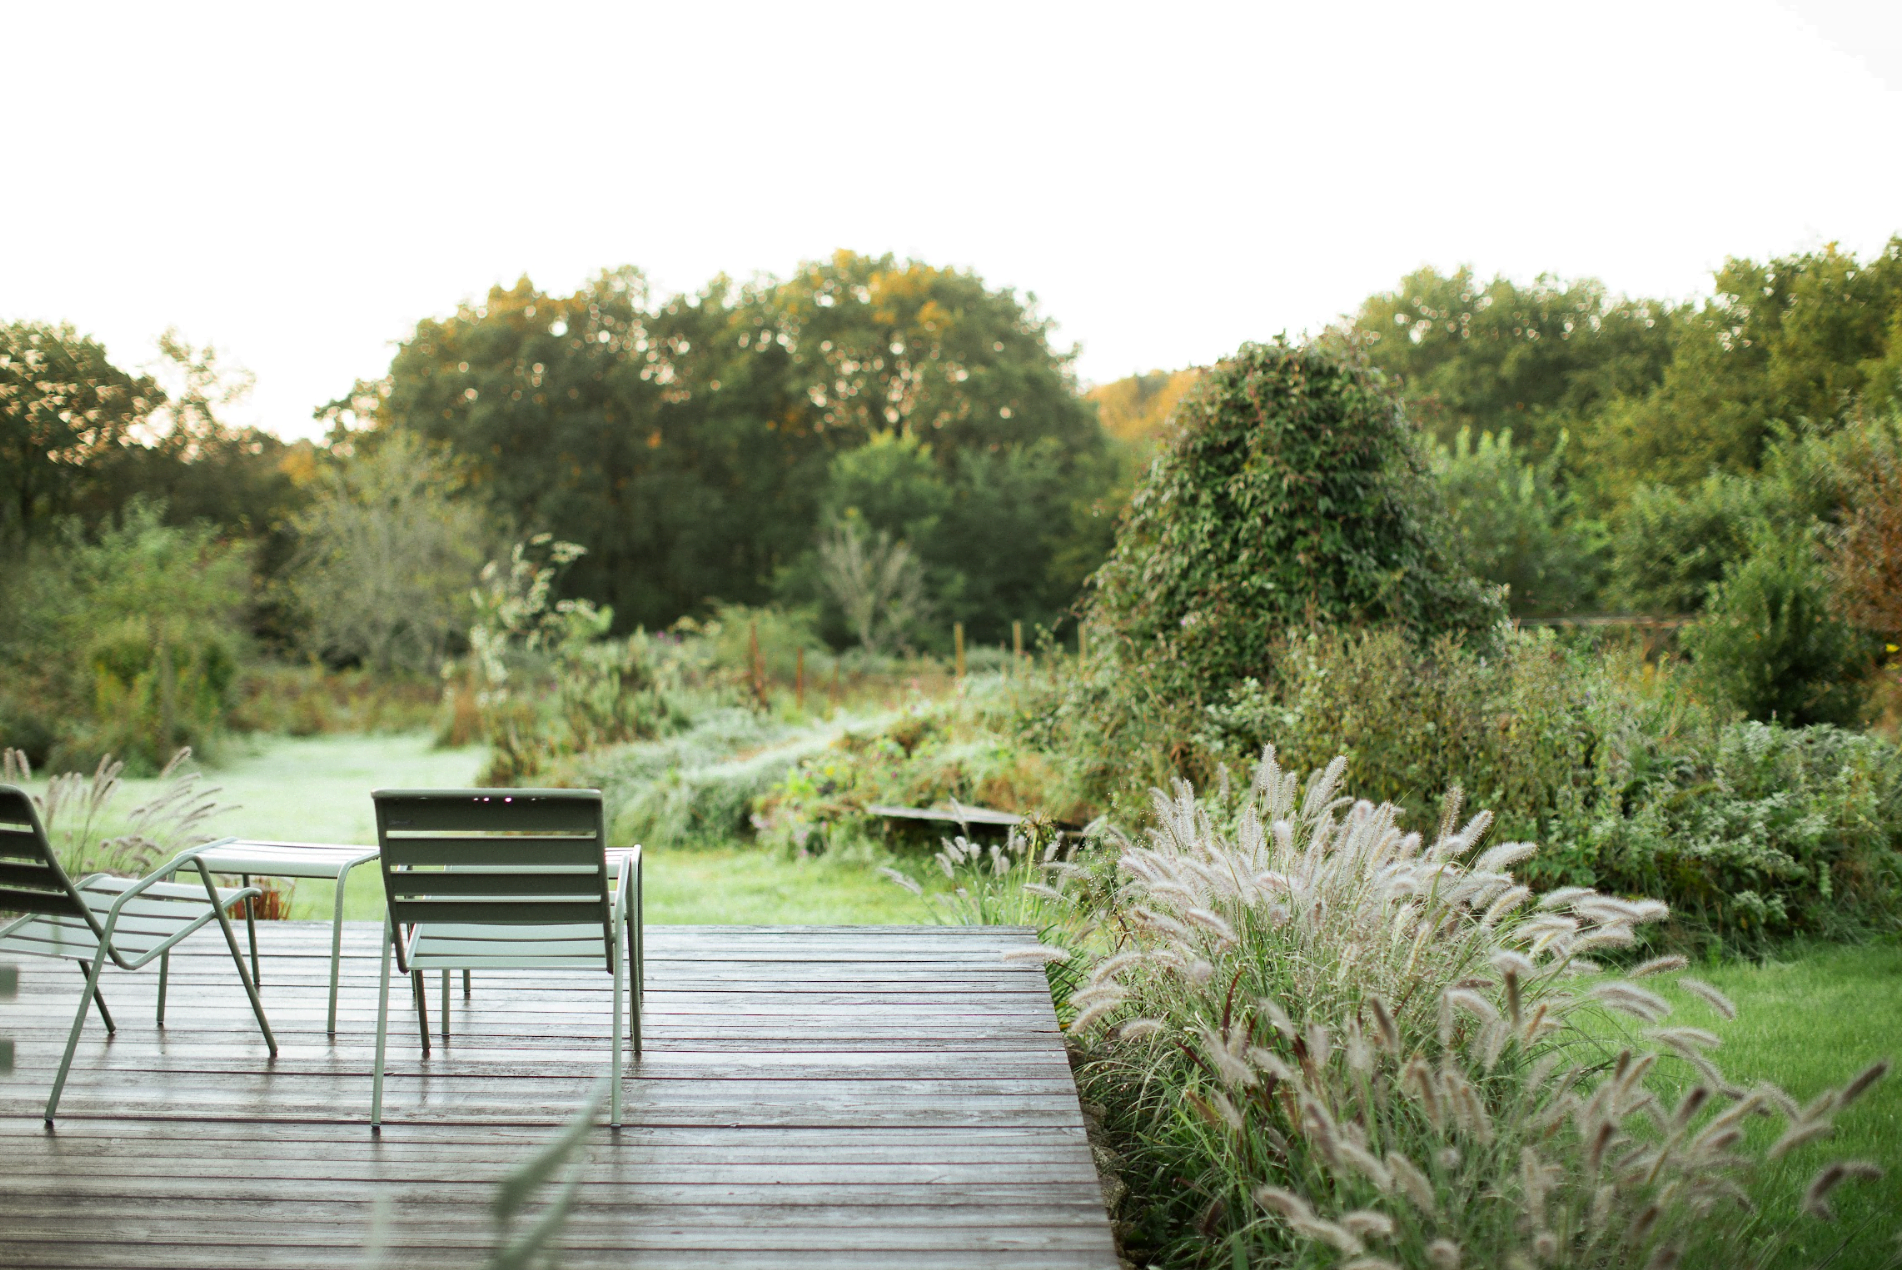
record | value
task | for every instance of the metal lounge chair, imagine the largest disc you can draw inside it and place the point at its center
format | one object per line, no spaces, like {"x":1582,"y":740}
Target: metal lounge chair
{"x":504,"y":879}
{"x":131,"y":922}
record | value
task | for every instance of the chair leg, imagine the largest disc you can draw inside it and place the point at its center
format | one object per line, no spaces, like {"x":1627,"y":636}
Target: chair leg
{"x":72,"y":1038}
{"x":422,"y":1007}
{"x":164,"y":974}
{"x":634,"y":995}
{"x":98,"y":997}
{"x":382,"y":1029}
{"x":251,"y":929}
{"x":614,"y":1101}
{"x":445,"y":1005}
{"x":250,"y":989}
{"x":336,"y":959}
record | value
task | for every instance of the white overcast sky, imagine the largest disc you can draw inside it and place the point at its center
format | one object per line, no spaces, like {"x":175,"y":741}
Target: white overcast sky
{"x":298,"y":184}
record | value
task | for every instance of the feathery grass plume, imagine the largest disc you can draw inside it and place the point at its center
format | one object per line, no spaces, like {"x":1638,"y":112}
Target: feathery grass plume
{"x":1715,"y":999}
{"x":1306,"y":1002}
{"x":1816,"y":1196}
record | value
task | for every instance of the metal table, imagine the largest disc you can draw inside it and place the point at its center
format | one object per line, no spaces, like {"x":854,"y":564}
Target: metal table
{"x":253,"y":858}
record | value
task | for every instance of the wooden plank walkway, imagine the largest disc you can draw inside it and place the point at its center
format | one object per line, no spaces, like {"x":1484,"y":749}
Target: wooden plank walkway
{"x":809,"y":1097}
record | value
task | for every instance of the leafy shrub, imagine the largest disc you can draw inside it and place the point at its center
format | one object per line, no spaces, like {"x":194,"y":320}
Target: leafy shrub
{"x":1866,"y":563}
{"x":1291,"y":491}
{"x":549,"y":679}
{"x":387,"y":554}
{"x":1772,"y":644}
{"x":1669,"y":547}
{"x":698,"y":786}
{"x":1322,"y":1040}
{"x":312,"y":700}
{"x":1760,"y":831}
{"x":930,"y":754}
{"x":1631,"y":782}
{"x":123,"y":641}
{"x":1517,"y":524}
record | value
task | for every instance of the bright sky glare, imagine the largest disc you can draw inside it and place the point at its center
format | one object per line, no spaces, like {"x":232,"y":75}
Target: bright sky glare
{"x":298,"y":184}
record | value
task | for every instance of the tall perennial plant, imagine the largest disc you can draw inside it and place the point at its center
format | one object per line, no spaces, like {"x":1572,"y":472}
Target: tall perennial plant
{"x":1319,"y":1039}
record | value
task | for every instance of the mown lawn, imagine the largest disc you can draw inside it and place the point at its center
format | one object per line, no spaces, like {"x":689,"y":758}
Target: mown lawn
{"x":1810,"y":1018}
{"x":317,"y":789}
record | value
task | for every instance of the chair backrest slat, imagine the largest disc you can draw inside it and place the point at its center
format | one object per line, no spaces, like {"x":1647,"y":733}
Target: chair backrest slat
{"x":519,"y":857}
{"x":31,"y":879}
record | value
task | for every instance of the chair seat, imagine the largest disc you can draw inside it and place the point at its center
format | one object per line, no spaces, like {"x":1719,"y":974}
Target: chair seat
{"x":157,"y":914}
{"x":479,"y":946}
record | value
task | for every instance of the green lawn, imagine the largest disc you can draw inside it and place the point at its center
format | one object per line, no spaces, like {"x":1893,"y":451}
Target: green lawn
{"x":317,"y":789}
{"x":1807,"y":1020}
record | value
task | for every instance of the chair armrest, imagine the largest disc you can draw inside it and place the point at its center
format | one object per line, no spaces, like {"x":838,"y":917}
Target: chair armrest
{"x":164,"y":872}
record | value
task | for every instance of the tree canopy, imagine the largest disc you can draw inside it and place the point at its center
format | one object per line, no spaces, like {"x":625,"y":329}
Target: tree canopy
{"x":690,"y":442}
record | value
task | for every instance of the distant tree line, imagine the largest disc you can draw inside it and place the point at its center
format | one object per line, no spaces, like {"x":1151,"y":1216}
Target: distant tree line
{"x":893,"y":447}
{"x":701,"y":446}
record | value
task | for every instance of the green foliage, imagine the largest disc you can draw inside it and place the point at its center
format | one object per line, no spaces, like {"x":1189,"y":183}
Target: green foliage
{"x":123,"y":642}
{"x":1771,"y":643}
{"x":65,"y":410}
{"x":961,"y":749}
{"x":1798,"y":339}
{"x":550,"y":681}
{"x":699,"y":786}
{"x":1518,"y":524}
{"x":1291,"y":490}
{"x":1531,"y":359}
{"x":386,"y":556}
{"x":1321,"y":1040}
{"x":313,"y":700}
{"x":687,"y":443}
{"x":1756,"y":834}
{"x":1629,"y":781}
{"x":1670,"y":546}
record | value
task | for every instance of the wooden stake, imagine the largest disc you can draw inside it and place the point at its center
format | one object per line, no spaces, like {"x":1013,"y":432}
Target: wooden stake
{"x":1017,"y":643}
{"x":759,"y":668}
{"x":957,"y":639}
{"x":1082,"y":641}
{"x":799,"y":679}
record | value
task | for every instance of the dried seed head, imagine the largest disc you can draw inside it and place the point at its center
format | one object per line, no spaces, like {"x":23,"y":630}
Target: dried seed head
{"x":1816,"y":1198}
{"x":1443,"y":1254}
{"x":1860,"y":1086}
{"x":1283,"y":1202}
{"x":1659,"y":966}
{"x":1368,"y":1223}
{"x":1385,"y":1030}
{"x":1412,"y":1183}
{"x":1717,"y":1000}
{"x":1800,"y":1134}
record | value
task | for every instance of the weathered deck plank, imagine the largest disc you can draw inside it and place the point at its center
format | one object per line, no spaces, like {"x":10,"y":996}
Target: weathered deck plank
{"x":810,"y":1097}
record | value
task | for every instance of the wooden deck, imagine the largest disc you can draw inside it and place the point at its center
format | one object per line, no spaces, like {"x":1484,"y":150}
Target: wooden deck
{"x":809,"y":1097}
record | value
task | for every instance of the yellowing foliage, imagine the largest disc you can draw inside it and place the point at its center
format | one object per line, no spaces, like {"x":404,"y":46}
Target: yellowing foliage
{"x":1135,"y":408}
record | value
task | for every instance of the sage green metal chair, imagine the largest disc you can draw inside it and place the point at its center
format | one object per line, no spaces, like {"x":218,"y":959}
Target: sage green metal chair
{"x":130,"y":922}
{"x":504,"y":879}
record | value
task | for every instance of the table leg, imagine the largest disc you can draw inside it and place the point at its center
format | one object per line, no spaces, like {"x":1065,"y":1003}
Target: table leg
{"x":251,"y":932}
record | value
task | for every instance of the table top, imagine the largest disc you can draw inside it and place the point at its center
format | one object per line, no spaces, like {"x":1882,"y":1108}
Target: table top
{"x":286,"y":859}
